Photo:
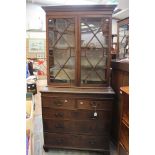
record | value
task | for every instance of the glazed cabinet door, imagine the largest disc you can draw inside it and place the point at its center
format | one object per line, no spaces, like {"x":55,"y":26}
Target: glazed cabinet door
{"x":95,"y":32}
{"x":123,"y":38}
{"x":61,"y":46}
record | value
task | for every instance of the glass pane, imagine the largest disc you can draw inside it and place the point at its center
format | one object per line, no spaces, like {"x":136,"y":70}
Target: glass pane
{"x":124,"y":41}
{"x":62,"y":50}
{"x":94,"y":49}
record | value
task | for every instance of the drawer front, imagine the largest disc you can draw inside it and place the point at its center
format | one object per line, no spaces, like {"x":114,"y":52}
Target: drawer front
{"x":76,"y":114}
{"x":59,"y":126}
{"x":58,"y":103}
{"x":83,"y":114}
{"x":78,"y":127}
{"x":94,"y":104}
{"x":93,"y":127}
{"x":58,"y":140}
{"x":58,"y":113}
{"x":95,"y":142}
{"x":77,"y":141}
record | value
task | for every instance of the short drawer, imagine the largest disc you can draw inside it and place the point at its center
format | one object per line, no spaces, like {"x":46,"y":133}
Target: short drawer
{"x":58,"y":103}
{"x":94,"y":104}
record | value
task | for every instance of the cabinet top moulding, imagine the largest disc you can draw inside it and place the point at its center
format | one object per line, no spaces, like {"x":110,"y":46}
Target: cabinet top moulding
{"x":79,"y":8}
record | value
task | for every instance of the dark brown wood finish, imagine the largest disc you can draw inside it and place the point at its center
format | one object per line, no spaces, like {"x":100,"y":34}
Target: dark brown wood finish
{"x":124,"y":121}
{"x":120,"y":77}
{"x":70,"y":111}
{"x":72,"y":141}
{"x":78,"y":115}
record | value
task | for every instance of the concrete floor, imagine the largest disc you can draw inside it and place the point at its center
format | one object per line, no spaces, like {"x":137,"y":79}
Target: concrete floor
{"x":38,"y":131}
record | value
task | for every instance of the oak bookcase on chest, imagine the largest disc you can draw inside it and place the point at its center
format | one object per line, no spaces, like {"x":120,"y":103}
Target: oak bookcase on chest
{"x":77,"y":103}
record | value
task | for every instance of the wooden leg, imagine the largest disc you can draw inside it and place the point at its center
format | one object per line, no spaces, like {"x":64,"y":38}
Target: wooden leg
{"x":45,"y":148}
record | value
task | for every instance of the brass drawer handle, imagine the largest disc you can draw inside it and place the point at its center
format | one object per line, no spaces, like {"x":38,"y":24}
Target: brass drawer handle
{"x":56,"y":115}
{"x":66,"y":101}
{"x":59,"y":126}
{"x":93,"y":104}
{"x":58,"y":103}
{"x":59,"y":141}
{"x":92,"y":142}
{"x":94,"y":117}
{"x":81,"y":102}
{"x":59,"y":114}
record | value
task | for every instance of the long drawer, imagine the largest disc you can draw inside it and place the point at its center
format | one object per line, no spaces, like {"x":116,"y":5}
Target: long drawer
{"x":77,"y":141}
{"x":77,"y":127}
{"x":80,"y":114}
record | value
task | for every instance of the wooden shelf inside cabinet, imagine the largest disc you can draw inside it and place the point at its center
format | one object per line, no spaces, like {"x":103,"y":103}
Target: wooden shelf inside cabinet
{"x":61,"y":48}
{"x":66,"y":31}
{"x":124,"y":120}
{"x":96,"y":48}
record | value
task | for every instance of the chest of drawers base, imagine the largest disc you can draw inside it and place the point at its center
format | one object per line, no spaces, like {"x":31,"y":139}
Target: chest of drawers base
{"x":77,"y":119}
